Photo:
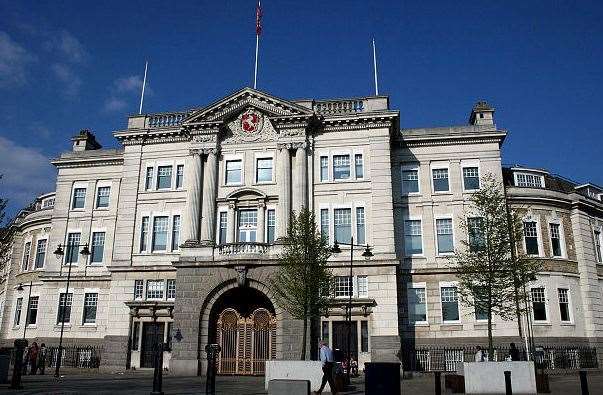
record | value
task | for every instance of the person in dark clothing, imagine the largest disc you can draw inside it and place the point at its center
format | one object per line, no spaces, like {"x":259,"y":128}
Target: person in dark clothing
{"x":33,"y":358}
{"x":514,"y":352}
{"x":326,"y":357}
{"x":42,"y":358}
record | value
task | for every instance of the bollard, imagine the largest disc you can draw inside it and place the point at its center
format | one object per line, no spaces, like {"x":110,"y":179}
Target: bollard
{"x":212,"y":351}
{"x":438,"y":383}
{"x":583,"y":382}
{"x":158,"y":370}
{"x":20,"y":345}
{"x":508,"y":386}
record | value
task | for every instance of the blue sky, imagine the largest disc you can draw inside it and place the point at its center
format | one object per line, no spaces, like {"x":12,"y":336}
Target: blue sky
{"x":78,"y":64}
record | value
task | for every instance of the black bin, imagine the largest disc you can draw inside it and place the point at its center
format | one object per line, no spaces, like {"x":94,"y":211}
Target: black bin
{"x":382,"y":378}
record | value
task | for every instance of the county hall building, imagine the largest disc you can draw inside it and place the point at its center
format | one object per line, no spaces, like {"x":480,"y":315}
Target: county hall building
{"x":183,"y":226}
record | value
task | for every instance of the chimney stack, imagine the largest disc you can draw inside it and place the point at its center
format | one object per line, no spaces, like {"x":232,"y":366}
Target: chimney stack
{"x":481,"y":114}
{"x":85,"y":141}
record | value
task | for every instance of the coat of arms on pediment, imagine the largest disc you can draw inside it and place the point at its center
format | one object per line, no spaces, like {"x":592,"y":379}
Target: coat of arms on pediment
{"x":248,"y":126}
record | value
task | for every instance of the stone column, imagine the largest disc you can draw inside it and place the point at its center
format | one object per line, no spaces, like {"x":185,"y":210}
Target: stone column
{"x":301,"y":172}
{"x":231,"y":226}
{"x":193,"y":197}
{"x":210,"y":178}
{"x":284,"y":207}
{"x":261,"y":222}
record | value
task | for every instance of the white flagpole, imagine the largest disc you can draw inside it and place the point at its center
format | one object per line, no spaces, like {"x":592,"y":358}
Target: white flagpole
{"x":144,"y":82}
{"x":375,"y":68}
{"x":255,"y":75}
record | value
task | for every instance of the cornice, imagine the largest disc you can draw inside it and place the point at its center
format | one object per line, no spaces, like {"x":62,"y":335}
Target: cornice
{"x":440,"y":141}
{"x":87,"y":162}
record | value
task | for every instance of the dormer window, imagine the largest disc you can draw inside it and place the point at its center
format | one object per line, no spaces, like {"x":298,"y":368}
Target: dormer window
{"x":529,"y":180}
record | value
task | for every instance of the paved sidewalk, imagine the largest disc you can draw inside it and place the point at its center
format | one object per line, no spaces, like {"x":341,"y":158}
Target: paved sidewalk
{"x":141,"y":382}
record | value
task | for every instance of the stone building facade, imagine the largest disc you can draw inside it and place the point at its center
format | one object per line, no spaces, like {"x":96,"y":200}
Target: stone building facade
{"x":183,"y":225}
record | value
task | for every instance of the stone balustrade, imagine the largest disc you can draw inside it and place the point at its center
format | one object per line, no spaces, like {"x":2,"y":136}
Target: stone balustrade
{"x":243,"y":248}
{"x":333,"y":107}
{"x":165,"y":119}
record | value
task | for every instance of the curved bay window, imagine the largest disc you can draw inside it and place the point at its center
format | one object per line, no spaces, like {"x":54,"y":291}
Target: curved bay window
{"x":248,"y":226}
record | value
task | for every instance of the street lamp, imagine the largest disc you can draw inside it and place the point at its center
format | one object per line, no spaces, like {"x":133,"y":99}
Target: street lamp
{"x":367,"y":254}
{"x":26,"y":321}
{"x":59,"y":253}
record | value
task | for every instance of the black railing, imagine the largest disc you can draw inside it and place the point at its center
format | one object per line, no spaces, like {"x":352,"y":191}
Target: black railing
{"x":553,"y":359}
{"x":82,"y":357}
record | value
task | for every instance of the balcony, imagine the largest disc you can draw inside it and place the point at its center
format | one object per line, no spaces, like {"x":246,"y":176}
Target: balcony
{"x":230,"y":249}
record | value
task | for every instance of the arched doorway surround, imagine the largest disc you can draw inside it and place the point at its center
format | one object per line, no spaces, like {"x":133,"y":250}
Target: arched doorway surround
{"x":244,"y":319}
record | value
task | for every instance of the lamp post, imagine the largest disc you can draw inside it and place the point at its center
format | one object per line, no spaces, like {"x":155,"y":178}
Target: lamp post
{"x":59,"y":253}
{"x":367,"y":254}
{"x":20,"y":288}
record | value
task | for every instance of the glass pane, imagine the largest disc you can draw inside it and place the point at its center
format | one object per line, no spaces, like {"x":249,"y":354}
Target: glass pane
{"x":264,"y":170}
{"x":98,"y":246}
{"x":359,"y":163}
{"x":164,"y":177}
{"x":471,"y":178}
{"x":341,"y":167}
{"x":410,"y":181}
{"x":417,"y":308}
{"x":160,"y":229}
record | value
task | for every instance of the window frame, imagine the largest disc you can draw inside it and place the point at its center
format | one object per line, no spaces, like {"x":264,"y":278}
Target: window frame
{"x":562,"y":246}
{"x":142,"y":288}
{"x":546,"y":305}
{"x":350,"y":165}
{"x":68,"y":247}
{"x":29,"y":309}
{"x":471,"y":164}
{"x":406,"y":168}
{"x":352,"y":215}
{"x":439,"y":166}
{"x":256,"y":168}
{"x":229,"y":159}
{"x":450,"y":284}
{"x":173,"y":232}
{"x":569,"y":305}
{"x":92,"y":247}
{"x":179,"y":179}
{"x":172,"y":177}
{"x":516,"y":175}
{"x":158,"y":281}
{"x":68,"y":303}
{"x":412,"y":286}
{"x":267,"y":226}
{"x":222,"y":212}
{"x":78,"y":186}
{"x":18,"y":313}
{"x":336,"y":280}
{"x":362,"y":167}
{"x":435,"y":223}
{"x":44,"y":239}
{"x":84,"y":307}
{"x":538,"y":237}
{"x":26,"y":255}
{"x":598,"y":243}
{"x":410,"y":219}
{"x":97,"y":196}
{"x":167,"y":234}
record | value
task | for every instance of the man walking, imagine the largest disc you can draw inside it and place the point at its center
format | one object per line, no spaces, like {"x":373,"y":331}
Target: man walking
{"x":326,"y":357}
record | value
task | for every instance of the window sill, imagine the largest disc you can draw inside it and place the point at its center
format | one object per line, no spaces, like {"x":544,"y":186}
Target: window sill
{"x":16,"y":328}
{"x":541,"y":323}
{"x":419,"y":256}
{"x":264,"y":183}
{"x":442,"y":193}
{"x":58,"y":326}
{"x":445,"y":254}
{"x":101,"y":208}
{"x":455,"y":324}
{"x":419,"y":324}
{"x":78,"y":209}
{"x":239,"y":184}
{"x":409,"y":194}
{"x":568,"y":323}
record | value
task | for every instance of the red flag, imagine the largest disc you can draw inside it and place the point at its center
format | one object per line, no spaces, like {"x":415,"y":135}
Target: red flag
{"x":258,"y":19}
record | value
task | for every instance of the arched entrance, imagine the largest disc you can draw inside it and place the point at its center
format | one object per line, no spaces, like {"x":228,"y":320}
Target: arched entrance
{"x":243,"y":323}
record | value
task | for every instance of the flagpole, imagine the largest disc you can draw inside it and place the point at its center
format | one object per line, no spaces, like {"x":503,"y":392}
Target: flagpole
{"x":375,"y":68}
{"x":255,"y":75}
{"x":144,"y":82}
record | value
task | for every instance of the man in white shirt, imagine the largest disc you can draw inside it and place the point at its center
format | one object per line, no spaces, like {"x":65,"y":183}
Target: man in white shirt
{"x":326,"y":357}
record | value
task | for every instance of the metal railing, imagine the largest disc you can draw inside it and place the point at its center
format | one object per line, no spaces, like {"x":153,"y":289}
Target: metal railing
{"x":83,"y":357}
{"x":553,"y":359}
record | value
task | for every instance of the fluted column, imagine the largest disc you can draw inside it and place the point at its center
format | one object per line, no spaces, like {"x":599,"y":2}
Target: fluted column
{"x":193,"y":196}
{"x":284,"y":207}
{"x":209,"y":198}
{"x":231,"y":226}
{"x":301,"y":174}
{"x":259,"y":237}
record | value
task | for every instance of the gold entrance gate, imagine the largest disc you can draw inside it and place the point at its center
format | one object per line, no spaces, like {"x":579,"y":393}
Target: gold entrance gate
{"x":246,"y":342}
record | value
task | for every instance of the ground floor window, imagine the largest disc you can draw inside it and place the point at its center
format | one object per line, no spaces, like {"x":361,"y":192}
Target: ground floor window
{"x":538,"y":304}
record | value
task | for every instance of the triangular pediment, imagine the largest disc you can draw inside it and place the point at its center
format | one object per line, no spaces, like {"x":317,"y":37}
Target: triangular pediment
{"x":242,"y":100}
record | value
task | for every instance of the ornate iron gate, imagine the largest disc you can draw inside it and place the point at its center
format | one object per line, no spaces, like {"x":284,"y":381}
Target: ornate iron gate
{"x":246,"y":342}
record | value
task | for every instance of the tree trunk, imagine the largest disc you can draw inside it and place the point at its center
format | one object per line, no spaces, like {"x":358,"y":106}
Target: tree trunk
{"x":490,"y":342}
{"x":304,"y":337}
{"x":314,"y":336}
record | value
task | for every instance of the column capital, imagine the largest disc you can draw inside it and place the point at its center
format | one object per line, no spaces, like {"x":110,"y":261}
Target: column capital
{"x":209,"y":151}
{"x":292,"y":145}
{"x":195,"y":151}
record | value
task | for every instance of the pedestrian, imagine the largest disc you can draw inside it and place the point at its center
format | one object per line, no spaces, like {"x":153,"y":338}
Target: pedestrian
{"x":480,"y":356}
{"x":42,"y":358}
{"x":514,"y":352}
{"x":25,"y":361}
{"x":33,"y":358}
{"x":326,"y":357}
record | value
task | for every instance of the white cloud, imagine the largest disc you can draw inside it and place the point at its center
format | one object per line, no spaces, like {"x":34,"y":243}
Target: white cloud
{"x":124,"y":91}
{"x":26,"y":174}
{"x":13,"y":61}
{"x":70,"y":80}
{"x":115,"y":104}
{"x":67,"y":47}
